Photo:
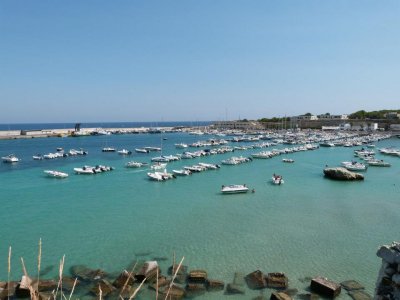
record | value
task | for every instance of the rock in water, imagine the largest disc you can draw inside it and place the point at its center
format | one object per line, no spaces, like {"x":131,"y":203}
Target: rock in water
{"x":256,"y":280}
{"x":342,"y":174}
{"x":325,"y":287}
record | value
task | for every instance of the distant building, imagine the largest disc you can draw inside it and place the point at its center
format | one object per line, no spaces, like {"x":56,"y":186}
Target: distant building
{"x":392,"y":115}
{"x":242,"y":125}
{"x":332,"y":117}
{"x":304,"y":117}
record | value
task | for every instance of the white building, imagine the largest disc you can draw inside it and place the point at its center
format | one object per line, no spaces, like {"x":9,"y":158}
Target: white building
{"x":332,"y":117}
{"x":304,"y":117}
{"x":392,"y":115}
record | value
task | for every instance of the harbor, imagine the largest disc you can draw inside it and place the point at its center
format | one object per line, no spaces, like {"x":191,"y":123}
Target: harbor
{"x":281,"y":228}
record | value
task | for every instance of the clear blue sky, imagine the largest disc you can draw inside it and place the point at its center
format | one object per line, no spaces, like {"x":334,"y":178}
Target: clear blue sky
{"x":67,"y":61}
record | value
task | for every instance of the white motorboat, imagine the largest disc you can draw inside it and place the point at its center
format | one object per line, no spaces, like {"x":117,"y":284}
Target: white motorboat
{"x":288,"y":160}
{"x":74,"y":152}
{"x":152,"y":148}
{"x":354,"y":166}
{"x":160,"y":176}
{"x":209,"y":166}
{"x":182,"y":172}
{"x":135,"y":164}
{"x":10,"y":158}
{"x":55,"y":174}
{"x":37,"y":157}
{"x":108,"y":149}
{"x":92,"y":170}
{"x":142,"y":150}
{"x":160,"y":159}
{"x":195,"y":168}
{"x":181,"y":145}
{"x":234,"y":189}
{"x":277,"y":179}
{"x":158,"y":166}
{"x":378,"y":163}
{"x":124,"y":152}
{"x":85,"y":170}
{"x":262,"y":155}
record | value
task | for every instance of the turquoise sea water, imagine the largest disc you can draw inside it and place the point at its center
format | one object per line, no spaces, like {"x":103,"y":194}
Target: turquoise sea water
{"x":307,"y":227}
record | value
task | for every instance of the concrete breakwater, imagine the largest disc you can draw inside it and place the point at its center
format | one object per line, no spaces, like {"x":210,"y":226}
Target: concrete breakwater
{"x":179,"y":282}
{"x":42,"y":133}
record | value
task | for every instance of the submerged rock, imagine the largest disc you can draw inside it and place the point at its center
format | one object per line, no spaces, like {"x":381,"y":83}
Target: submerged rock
{"x":175,"y":292}
{"x":342,"y":174}
{"x":125,"y":278}
{"x":280,"y":296}
{"x":359,"y":295}
{"x":214,"y":285}
{"x":232,"y":289}
{"x":105,"y":286}
{"x":351,"y":285}
{"x":195,"y":289}
{"x":86,"y":274}
{"x":277,"y":280}
{"x":181,"y":275}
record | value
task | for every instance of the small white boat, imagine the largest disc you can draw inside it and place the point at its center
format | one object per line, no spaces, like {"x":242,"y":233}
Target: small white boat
{"x":93,"y":170}
{"x":234,"y":189}
{"x":56,"y":174}
{"x":152,"y":148}
{"x":135,"y":164}
{"x":160,"y":159}
{"x":85,"y":170}
{"x":160,"y":176}
{"x":10,"y":158}
{"x":124,"y":152}
{"x":182,"y":172}
{"x":37,"y":157}
{"x":108,"y":149}
{"x":142,"y":150}
{"x":288,"y":160}
{"x":378,"y":163}
{"x":354,"y":166}
{"x":209,"y":166}
{"x":195,"y":168}
{"x":181,"y":146}
{"x":277,"y":179}
{"x":158,"y":166}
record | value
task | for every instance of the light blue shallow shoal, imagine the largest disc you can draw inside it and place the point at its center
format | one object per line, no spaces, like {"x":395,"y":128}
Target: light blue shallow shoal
{"x":307,"y":227}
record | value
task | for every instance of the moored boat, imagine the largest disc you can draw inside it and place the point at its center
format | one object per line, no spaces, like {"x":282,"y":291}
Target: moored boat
{"x":288,"y":160}
{"x":378,"y":163}
{"x":10,"y":158}
{"x":182,"y":172}
{"x":135,"y":164}
{"x":234,"y":189}
{"x":55,"y":174}
{"x":124,"y":152}
{"x":277,"y":179}
{"x":108,"y":149}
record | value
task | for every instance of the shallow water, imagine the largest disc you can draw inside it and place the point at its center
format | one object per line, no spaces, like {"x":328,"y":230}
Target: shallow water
{"x":309,"y":226}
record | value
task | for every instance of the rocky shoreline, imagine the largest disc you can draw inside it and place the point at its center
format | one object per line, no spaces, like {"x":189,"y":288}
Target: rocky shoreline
{"x":179,"y":282}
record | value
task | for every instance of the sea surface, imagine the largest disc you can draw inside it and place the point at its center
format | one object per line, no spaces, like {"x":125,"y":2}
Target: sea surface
{"x":308,"y":226}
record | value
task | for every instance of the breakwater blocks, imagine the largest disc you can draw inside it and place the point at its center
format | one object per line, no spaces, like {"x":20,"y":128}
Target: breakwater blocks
{"x":342,"y":174}
{"x":388,"y":283}
{"x":325,"y":287}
